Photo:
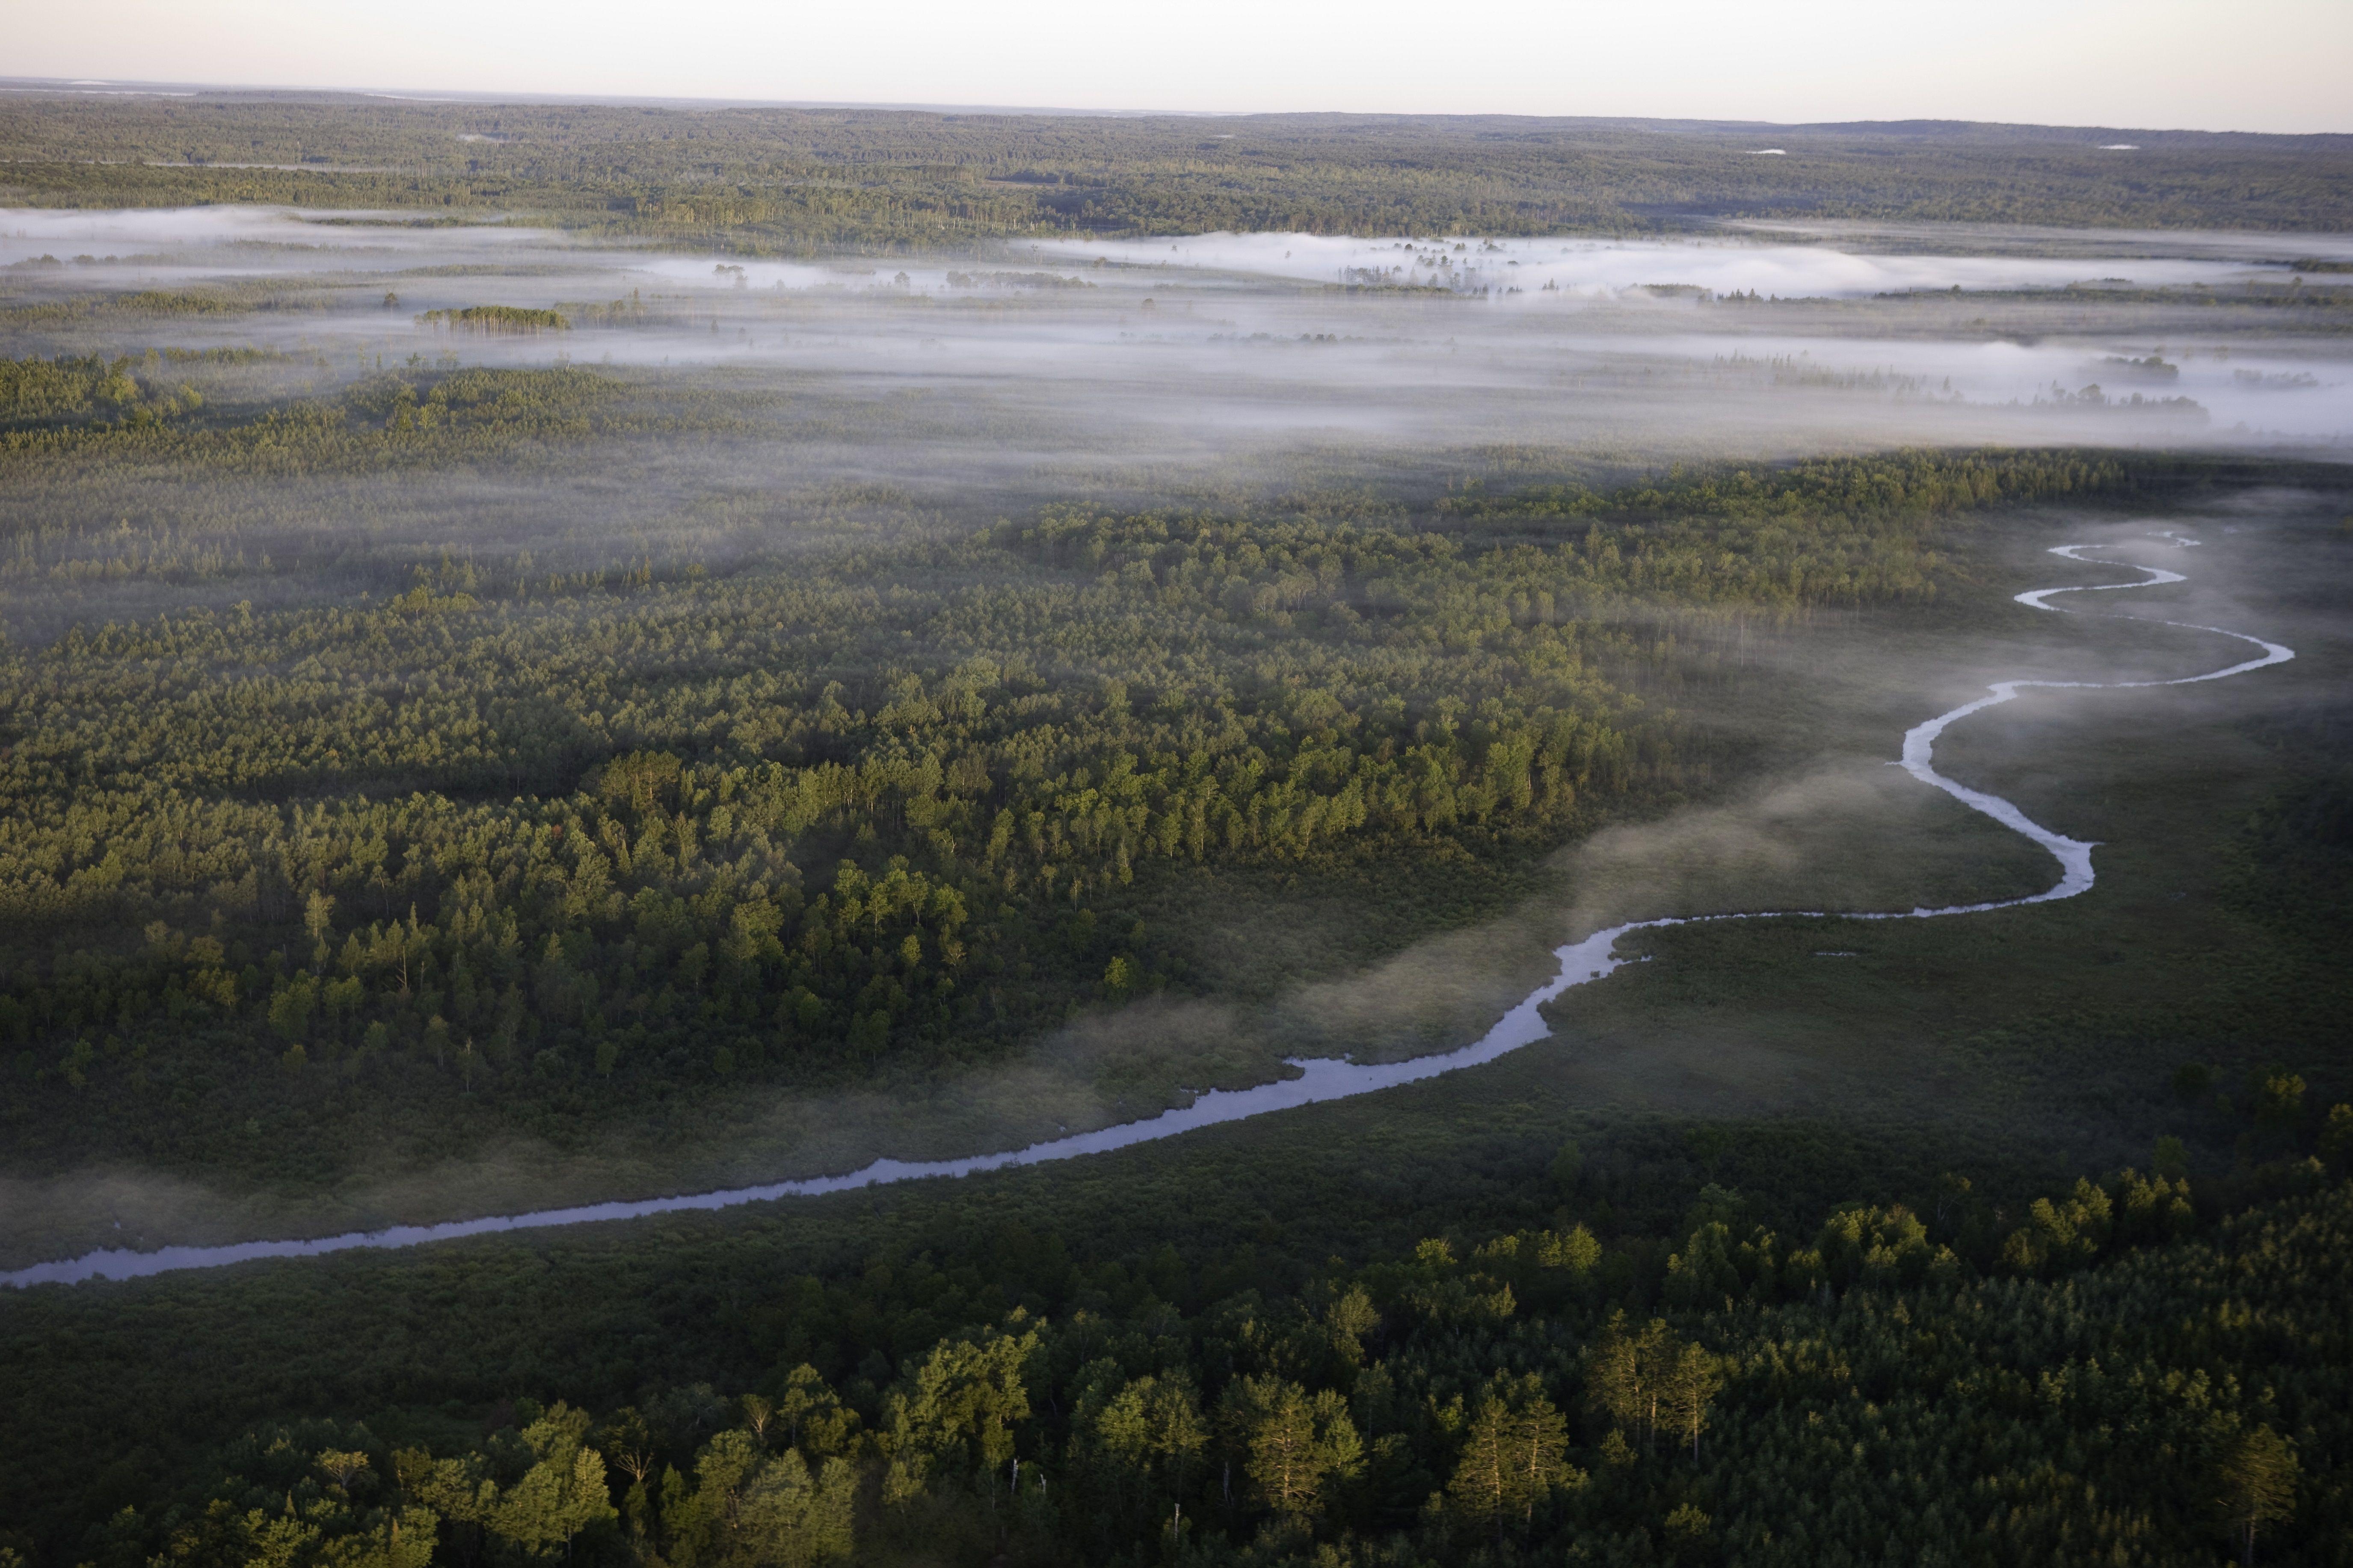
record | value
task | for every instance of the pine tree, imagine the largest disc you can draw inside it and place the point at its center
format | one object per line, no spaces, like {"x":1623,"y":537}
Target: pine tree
{"x":1693,"y":1379}
{"x":2259,"y":1474}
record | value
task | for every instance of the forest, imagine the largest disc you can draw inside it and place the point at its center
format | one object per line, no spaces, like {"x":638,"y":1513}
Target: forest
{"x":463,"y":837}
{"x":546,"y":847}
{"x":555,"y":655}
{"x":2132,"y":1370}
{"x":761,"y":181}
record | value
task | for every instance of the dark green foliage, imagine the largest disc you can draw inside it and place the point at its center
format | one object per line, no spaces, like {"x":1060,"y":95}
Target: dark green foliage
{"x":1886,"y":1392}
{"x":2296,"y":861}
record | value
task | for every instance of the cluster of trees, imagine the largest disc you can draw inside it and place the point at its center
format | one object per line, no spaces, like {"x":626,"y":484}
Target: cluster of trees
{"x":496,"y":319}
{"x":89,"y":418}
{"x":87,"y":388}
{"x":1835,"y":491}
{"x":148,"y":307}
{"x":2092,"y":396}
{"x":803,"y":180}
{"x":1905,"y":1388}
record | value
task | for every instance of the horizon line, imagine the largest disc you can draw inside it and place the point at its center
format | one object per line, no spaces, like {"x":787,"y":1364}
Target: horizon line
{"x":124,"y":86}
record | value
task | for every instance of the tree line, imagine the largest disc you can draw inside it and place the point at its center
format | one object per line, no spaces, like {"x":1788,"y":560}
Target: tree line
{"x":800,"y":181}
{"x":1900,"y":1386}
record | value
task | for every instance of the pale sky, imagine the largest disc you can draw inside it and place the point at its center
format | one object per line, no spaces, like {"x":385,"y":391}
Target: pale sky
{"x":2245,"y":65}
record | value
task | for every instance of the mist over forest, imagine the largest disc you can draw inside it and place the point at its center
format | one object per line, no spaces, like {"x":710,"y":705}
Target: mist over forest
{"x":635,"y":655}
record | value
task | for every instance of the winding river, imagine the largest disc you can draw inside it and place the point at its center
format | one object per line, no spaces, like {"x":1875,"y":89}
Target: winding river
{"x":1319,"y":1079}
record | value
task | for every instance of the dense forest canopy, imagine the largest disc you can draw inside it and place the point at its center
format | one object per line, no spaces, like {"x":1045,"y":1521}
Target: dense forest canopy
{"x":2119,"y":1370}
{"x":552,"y":843}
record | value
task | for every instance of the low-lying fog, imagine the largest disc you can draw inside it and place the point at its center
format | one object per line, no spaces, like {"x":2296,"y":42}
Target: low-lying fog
{"x":1069,"y":370}
{"x":1752,"y":343}
{"x":1509,"y":267}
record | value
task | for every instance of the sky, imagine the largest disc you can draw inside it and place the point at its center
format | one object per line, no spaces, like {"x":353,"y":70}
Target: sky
{"x":2217,"y":65}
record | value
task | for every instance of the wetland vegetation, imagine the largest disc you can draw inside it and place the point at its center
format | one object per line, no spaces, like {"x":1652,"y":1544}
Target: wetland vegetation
{"x":645,"y":651}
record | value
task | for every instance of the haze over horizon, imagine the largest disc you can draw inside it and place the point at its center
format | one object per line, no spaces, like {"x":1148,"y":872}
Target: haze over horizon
{"x":2172,"y":65}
